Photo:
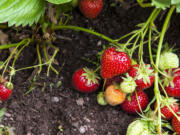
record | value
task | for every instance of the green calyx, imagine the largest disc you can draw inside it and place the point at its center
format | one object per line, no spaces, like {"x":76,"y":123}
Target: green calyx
{"x":144,"y":72}
{"x":128,"y":85}
{"x":168,"y":101}
{"x":9,"y":85}
{"x":91,"y":76}
{"x":168,"y":60}
{"x":101,"y":99}
{"x":133,"y":62}
{"x":168,"y":79}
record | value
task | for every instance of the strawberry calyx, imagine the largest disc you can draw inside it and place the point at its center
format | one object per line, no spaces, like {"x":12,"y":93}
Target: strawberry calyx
{"x":144,"y":71}
{"x":128,"y":85}
{"x":129,"y":97}
{"x":168,"y":101}
{"x":9,"y":85}
{"x":170,"y":75}
{"x":91,"y":76}
{"x":133,"y":62}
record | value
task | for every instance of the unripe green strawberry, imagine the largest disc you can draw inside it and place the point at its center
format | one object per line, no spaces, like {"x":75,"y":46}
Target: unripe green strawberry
{"x":128,"y":85}
{"x":168,"y":60}
{"x":101,"y":99}
{"x":138,"y":127}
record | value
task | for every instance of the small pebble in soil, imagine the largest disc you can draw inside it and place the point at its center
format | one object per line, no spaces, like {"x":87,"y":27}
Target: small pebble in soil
{"x":80,"y":101}
{"x":109,"y":133}
{"x":7,"y":114}
{"x":75,"y":124}
{"x":82,"y":129}
{"x":86,"y":119}
{"x":99,"y":43}
{"x":55,"y":99}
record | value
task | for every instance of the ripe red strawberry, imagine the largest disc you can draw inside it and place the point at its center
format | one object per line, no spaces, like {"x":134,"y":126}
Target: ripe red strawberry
{"x":176,"y":124}
{"x":114,"y":63}
{"x":131,"y":105}
{"x":166,"y":112}
{"x":144,"y":75}
{"x":172,"y":82}
{"x":116,"y":79}
{"x":5,"y":90}
{"x":90,"y":8}
{"x":85,"y":80}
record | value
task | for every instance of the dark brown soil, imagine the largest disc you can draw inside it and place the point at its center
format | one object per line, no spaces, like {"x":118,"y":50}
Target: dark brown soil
{"x":42,"y":112}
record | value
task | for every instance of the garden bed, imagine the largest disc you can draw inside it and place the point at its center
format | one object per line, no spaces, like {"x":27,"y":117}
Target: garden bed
{"x":62,"y":110}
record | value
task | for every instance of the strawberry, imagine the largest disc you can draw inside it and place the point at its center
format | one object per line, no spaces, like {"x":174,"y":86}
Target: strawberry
{"x":138,"y":127}
{"x":90,"y":8}
{"x":171,"y":82}
{"x":116,"y":79}
{"x":101,"y":99}
{"x":114,"y":62}
{"x":128,"y":85}
{"x":176,"y":124}
{"x":168,"y":60}
{"x":144,"y":75}
{"x":131,"y":106}
{"x":85,"y":80}
{"x":166,"y":112}
{"x":114,"y":96}
{"x":5,"y":90}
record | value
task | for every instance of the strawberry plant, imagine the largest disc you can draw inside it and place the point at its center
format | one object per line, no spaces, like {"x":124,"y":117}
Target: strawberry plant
{"x":146,"y":75}
{"x":161,"y":73}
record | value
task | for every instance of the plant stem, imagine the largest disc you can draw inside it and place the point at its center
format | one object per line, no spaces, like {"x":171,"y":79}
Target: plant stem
{"x":85,"y":30}
{"x":12,"y":53}
{"x":39,"y":58}
{"x":156,"y":87}
{"x":144,"y":5}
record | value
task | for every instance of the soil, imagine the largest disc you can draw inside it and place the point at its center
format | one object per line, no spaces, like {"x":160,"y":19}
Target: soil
{"x":47,"y":108}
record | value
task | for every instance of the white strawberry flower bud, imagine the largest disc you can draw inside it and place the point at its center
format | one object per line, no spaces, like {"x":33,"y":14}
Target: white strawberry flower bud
{"x":168,"y":60}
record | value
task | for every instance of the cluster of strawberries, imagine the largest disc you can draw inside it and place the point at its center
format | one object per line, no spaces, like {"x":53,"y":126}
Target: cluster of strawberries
{"x":125,"y":82}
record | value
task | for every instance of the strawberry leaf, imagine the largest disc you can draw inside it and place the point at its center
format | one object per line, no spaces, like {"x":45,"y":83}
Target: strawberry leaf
{"x":21,"y":12}
{"x":161,"y":3}
{"x":59,"y":1}
{"x":166,"y":4}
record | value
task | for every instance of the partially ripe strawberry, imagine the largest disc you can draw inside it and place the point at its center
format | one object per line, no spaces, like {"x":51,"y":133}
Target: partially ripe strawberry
{"x":5,"y":90}
{"x":176,"y":124}
{"x":166,"y":112}
{"x":168,"y":60}
{"x":128,"y":85}
{"x":116,"y":79}
{"x":90,"y":8}
{"x":130,"y":105}
{"x":114,"y":62}
{"x":114,"y":96}
{"x":85,"y":80}
{"x":171,"y":83}
{"x":143,"y":75}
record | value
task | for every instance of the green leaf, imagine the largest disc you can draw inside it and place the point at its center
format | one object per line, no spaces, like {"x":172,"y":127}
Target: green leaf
{"x":21,"y":12}
{"x":2,"y":111}
{"x":178,"y":8}
{"x":161,"y":3}
{"x":175,"y":1}
{"x":59,"y":1}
